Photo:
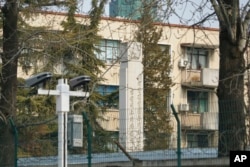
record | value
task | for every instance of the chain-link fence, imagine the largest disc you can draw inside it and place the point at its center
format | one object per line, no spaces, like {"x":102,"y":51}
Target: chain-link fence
{"x":37,"y":144}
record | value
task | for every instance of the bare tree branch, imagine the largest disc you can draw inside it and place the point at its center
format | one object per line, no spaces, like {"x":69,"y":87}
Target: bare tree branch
{"x":52,"y":3}
{"x":245,"y":9}
{"x":245,"y":30}
{"x":246,"y":20}
{"x":234,"y":13}
{"x":223,"y":15}
{"x":203,"y":20}
{"x":217,"y":10}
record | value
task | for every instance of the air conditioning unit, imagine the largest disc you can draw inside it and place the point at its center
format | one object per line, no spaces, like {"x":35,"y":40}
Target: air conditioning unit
{"x":184,"y":107}
{"x":183,"y":63}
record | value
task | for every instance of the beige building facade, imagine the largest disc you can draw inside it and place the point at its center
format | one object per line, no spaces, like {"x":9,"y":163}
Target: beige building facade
{"x":195,"y":63}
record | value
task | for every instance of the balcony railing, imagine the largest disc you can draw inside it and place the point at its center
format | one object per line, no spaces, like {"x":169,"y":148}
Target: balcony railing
{"x":190,"y":121}
{"x":205,"y":77}
{"x":202,"y":121}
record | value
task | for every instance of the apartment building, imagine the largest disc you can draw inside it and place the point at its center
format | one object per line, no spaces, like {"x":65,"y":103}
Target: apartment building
{"x":195,"y":61}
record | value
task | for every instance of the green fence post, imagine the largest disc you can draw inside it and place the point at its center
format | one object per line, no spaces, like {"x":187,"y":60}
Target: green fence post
{"x":89,"y":138}
{"x":178,"y":135}
{"x":15,"y":140}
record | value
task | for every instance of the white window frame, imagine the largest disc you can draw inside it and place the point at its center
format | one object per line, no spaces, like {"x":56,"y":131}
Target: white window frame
{"x":109,"y":50}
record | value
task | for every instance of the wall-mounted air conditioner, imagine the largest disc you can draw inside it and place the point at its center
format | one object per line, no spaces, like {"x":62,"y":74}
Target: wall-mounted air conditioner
{"x":184,"y":107}
{"x":183,"y":63}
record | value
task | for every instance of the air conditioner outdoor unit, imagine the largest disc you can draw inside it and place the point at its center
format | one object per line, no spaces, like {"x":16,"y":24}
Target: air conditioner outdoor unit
{"x":183,"y":63}
{"x":184,"y":107}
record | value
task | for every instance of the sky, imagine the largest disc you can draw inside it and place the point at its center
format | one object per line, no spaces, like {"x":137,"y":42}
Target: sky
{"x":185,"y":13}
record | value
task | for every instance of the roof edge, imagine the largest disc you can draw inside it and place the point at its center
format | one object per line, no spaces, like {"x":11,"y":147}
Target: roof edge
{"x":131,"y":21}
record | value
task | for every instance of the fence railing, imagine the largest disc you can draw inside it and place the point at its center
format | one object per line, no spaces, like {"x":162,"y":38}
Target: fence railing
{"x":37,"y":145}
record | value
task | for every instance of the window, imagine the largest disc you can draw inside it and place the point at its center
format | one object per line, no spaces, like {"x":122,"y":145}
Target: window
{"x":197,"y":57}
{"x":110,"y":94}
{"x":198,"y":101}
{"x":165,"y":48}
{"x":108,"y":50}
{"x":106,"y":89}
{"x":197,"y":140}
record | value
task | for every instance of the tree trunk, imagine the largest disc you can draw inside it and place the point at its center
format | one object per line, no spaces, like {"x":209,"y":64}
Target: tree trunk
{"x":232,"y":132}
{"x":8,"y":83}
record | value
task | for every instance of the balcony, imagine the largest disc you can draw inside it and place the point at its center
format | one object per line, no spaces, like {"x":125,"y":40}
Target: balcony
{"x":197,"y":121}
{"x":205,"y":77}
{"x":210,"y":120}
{"x":190,"y":120}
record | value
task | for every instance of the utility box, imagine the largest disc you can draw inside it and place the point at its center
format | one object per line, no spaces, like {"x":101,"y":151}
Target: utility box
{"x":75,"y":131}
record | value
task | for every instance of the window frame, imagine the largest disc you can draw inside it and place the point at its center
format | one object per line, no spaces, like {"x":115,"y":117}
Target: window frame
{"x":105,"y":90}
{"x":197,"y":140}
{"x":198,"y":101}
{"x":108,"y":50}
{"x":195,"y":55}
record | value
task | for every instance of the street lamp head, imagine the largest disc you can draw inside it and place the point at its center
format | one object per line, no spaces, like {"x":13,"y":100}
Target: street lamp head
{"x":80,"y":81}
{"x":38,"y":79}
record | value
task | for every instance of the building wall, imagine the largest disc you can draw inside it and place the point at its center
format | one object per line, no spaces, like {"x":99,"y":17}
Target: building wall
{"x":110,"y":120}
{"x":178,"y":37}
{"x":173,"y":36}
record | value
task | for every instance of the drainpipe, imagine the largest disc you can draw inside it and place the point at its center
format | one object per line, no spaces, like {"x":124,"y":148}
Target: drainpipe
{"x":15,"y":140}
{"x":178,"y":136}
{"x":89,"y":138}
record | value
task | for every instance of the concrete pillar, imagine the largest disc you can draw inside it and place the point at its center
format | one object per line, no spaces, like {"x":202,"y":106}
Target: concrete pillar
{"x":131,"y":97}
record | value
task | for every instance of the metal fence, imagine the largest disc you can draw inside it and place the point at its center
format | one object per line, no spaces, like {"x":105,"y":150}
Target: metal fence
{"x":38,"y":144}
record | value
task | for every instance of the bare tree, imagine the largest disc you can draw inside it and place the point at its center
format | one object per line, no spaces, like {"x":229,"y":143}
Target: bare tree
{"x":8,"y":81}
{"x":233,"y":39}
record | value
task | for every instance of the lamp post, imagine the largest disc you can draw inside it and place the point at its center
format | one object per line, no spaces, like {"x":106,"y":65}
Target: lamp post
{"x":62,"y":94}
